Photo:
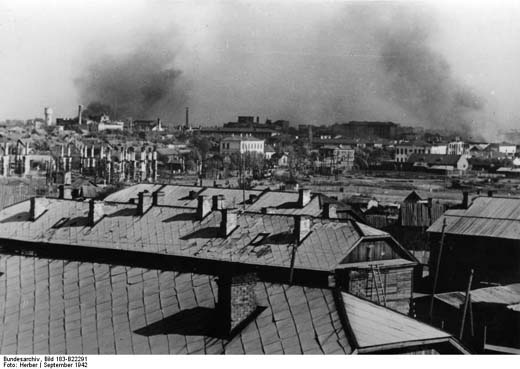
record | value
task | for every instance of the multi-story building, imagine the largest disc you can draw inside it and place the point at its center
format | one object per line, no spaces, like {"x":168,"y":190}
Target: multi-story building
{"x":405,"y":149}
{"x":242,"y":145}
{"x":457,"y":148}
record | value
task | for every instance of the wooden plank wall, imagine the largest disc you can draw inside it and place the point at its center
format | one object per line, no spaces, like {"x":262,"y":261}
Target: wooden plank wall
{"x":397,"y":286}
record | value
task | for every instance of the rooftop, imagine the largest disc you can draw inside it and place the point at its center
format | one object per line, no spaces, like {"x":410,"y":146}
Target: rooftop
{"x":497,"y":217}
{"x":259,"y":239}
{"x":70,"y":307}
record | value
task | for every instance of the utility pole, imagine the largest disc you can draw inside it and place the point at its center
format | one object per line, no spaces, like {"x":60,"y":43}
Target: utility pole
{"x":436,"y":276}
{"x":466,"y":302}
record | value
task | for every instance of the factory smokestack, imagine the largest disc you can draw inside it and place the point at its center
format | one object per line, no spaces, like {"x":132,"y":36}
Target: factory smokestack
{"x":187,"y":124}
{"x":80,"y":113}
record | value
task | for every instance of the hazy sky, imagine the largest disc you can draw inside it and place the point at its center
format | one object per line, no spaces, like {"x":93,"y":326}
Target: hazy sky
{"x":310,"y":62}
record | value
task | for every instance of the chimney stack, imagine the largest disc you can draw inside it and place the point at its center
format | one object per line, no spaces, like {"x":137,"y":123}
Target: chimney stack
{"x":330,"y":211}
{"x":65,"y":192}
{"x":187,"y":123}
{"x":236,"y":300}
{"x":156,"y":196}
{"x":465,"y":199}
{"x":229,"y":221}
{"x":95,"y":212}
{"x":37,"y":208}
{"x":302,"y":227}
{"x":144,"y":202}
{"x":80,"y":113}
{"x":304,"y":197}
{"x":218,"y":202}
{"x":203,"y":207}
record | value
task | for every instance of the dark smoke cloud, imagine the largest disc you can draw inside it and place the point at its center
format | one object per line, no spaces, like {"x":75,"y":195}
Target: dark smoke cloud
{"x":307,"y":63}
{"x":420,"y":79}
{"x":140,"y":83}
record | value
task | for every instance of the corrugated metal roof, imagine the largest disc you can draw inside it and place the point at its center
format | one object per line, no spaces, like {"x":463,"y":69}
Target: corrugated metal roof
{"x":503,"y":295}
{"x":487,"y":216}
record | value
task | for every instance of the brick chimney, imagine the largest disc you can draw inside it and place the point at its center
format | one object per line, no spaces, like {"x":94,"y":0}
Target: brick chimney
{"x":304,"y":197}
{"x":144,"y":202}
{"x":37,"y":208}
{"x":95,"y":212}
{"x":203,"y":207}
{"x":329,"y":211}
{"x":156,"y":198}
{"x":192,"y":194}
{"x":229,"y":222}
{"x":302,"y":227}
{"x":218,"y":202}
{"x":236,"y":300}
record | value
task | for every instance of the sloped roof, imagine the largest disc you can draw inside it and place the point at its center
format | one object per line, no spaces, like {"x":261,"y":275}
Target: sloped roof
{"x":487,"y":216}
{"x":502,"y":295}
{"x":91,"y":308}
{"x":124,"y":195}
{"x":177,"y":232}
{"x":79,"y":307}
{"x":375,"y":327}
{"x":285,"y":203}
{"x":435,"y":159}
{"x":412,"y":197}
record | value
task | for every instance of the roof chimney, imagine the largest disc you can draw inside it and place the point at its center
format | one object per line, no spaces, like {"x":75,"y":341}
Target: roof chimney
{"x":65,"y":192}
{"x":203,"y":207}
{"x":268,"y":210}
{"x":144,"y":202}
{"x":229,"y":221}
{"x":302,"y":227}
{"x":37,"y":208}
{"x":95,"y":212}
{"x":218,"y":202}
{"x":329,"y":211}
{"x":236,"y":301}
{"x":465,"y":199}
{"x":156,"y":198}
{"x":304,"y":197}
{"x":192,"y":194}
{"x":252,"y":198}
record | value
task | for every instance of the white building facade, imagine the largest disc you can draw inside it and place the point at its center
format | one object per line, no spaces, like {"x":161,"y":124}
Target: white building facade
{"x":242,"y":145}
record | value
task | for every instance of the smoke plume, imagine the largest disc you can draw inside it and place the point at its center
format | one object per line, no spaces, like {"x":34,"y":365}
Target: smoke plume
{"x":140,"y":83}
{"x":307,"y":63}
{"x":420,"y":79}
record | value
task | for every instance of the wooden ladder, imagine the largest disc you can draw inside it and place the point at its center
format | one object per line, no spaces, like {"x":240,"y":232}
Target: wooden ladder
{"x":377,"y":281}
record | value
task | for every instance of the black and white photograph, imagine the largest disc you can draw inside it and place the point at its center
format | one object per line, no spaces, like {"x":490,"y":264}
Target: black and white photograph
{"x":246,"y":177}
